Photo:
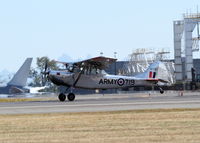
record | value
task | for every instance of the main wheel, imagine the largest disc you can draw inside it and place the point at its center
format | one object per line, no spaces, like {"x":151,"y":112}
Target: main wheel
{"x":71,"y":96}
{"x":161,"y":91}
{"x":62,"y":97}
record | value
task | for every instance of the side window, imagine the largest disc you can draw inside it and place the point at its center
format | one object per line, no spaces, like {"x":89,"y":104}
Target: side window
{"x":93,"y":71}
{"x":98,"y":71}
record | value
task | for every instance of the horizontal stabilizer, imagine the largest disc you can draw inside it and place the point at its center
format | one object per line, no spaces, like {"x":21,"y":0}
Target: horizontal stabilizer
{"x":161,"y":80}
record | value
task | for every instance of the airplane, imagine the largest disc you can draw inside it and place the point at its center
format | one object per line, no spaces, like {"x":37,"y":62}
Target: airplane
{"x":35,"y":90}
{"x":16,"y":84}
{"x":90,"y":74}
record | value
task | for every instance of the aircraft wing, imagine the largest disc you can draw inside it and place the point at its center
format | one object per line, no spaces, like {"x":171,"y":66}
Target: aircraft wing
{"x":98,"y":62}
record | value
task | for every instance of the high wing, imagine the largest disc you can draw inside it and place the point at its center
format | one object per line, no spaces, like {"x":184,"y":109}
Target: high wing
{"x":96,"y":62}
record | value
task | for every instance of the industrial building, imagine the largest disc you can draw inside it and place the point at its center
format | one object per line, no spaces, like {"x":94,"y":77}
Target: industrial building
{"x":185,"y":43}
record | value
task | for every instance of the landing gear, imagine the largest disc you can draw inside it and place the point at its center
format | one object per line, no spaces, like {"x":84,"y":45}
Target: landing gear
{"x":161,"y":90}
{"x":71,"y":96}
{"x":62,"y":97}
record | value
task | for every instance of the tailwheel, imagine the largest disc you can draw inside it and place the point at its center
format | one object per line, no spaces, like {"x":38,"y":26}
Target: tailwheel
{"x":62,"y":97}
{"x":71,"y":96}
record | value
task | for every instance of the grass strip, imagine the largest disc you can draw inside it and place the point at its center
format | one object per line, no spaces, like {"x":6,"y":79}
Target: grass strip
{"x":159,"y":125}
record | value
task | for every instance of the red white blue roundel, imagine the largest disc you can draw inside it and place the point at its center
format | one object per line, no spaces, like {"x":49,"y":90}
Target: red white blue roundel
{"x":120,"y":81}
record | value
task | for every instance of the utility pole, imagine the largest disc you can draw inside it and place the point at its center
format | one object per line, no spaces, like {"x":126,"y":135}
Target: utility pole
{"x":115,"y":56}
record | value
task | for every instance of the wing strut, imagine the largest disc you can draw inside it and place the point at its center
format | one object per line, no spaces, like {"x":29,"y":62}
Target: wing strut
{"x":75,"y":82}
{"x":79,"y":75}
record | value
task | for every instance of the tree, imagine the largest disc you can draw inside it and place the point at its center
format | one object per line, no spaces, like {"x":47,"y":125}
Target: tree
{"x":41,"y":62}
{"x":37,"y":75}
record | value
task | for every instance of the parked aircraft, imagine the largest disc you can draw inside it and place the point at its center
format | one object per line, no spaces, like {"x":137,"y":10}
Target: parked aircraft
{"x":19,"y":80}
{"x":35,"y":90}
{"x":90,"y":74}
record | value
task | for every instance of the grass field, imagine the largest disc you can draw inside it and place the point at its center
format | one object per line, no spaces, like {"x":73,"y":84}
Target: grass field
{"x":173,"y":125}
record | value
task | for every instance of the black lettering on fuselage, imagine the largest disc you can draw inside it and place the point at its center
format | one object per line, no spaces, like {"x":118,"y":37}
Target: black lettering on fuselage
{"x":120,"y":81}
{"x":105,"y":81}
{"x":101,"y":81}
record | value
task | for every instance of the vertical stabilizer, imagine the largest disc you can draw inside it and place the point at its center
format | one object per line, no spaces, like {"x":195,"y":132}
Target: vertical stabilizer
{"x":156,"y":70}
{"x":20,"y":78}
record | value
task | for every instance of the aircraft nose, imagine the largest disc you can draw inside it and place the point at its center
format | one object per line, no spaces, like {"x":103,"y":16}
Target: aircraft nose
{"x":51,"y":74}
{"x":59,"y":77}
{"x":58,"y":74}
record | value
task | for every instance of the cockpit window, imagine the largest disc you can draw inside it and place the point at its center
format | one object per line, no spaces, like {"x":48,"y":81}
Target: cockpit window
{"x":93,"y":71}
{"x":103,"y":72}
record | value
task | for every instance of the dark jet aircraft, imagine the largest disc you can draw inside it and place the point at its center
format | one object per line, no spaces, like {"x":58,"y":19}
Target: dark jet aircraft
{"x":19,"y":80}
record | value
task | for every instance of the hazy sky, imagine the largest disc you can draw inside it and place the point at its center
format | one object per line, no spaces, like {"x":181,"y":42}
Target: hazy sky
{"x":84,"y":28}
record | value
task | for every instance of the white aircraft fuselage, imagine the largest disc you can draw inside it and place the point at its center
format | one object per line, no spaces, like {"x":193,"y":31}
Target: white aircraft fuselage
{"x":96,"y":81}
{"x":90,"y":74}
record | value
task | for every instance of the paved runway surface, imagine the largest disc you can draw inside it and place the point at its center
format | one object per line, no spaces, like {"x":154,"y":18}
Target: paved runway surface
{"x":94,"y":103}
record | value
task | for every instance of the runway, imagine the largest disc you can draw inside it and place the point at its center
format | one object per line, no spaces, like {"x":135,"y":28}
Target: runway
{"x":100,"y":103}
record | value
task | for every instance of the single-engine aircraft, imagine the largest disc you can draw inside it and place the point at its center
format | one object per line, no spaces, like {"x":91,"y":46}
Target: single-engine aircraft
{"x":90,"y":74}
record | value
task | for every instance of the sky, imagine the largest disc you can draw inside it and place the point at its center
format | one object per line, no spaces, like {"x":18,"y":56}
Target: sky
{"x":78,"y":29}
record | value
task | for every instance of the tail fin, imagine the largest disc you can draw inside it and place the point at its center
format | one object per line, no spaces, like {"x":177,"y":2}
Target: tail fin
{"x":156,"y":70}
{"x":20,"y":78}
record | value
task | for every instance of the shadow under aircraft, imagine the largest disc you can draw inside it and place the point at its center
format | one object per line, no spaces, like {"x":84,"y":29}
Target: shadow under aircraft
{"x":17,"y":83}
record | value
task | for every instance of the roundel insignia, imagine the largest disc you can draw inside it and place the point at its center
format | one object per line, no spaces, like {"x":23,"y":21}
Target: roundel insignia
{"x":120,"y":81}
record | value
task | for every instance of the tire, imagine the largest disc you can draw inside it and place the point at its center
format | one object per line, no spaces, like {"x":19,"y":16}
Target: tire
{"x":71,"y":96}
{"x":161,"y":91}
{"x":62,"y":97}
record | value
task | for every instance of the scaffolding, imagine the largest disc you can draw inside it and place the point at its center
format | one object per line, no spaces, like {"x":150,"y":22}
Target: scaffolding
{"x":140,"y":60}
{"x":183,"y":30}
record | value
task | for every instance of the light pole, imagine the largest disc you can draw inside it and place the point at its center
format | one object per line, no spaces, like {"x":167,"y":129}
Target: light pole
{"x":115,"y":56}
